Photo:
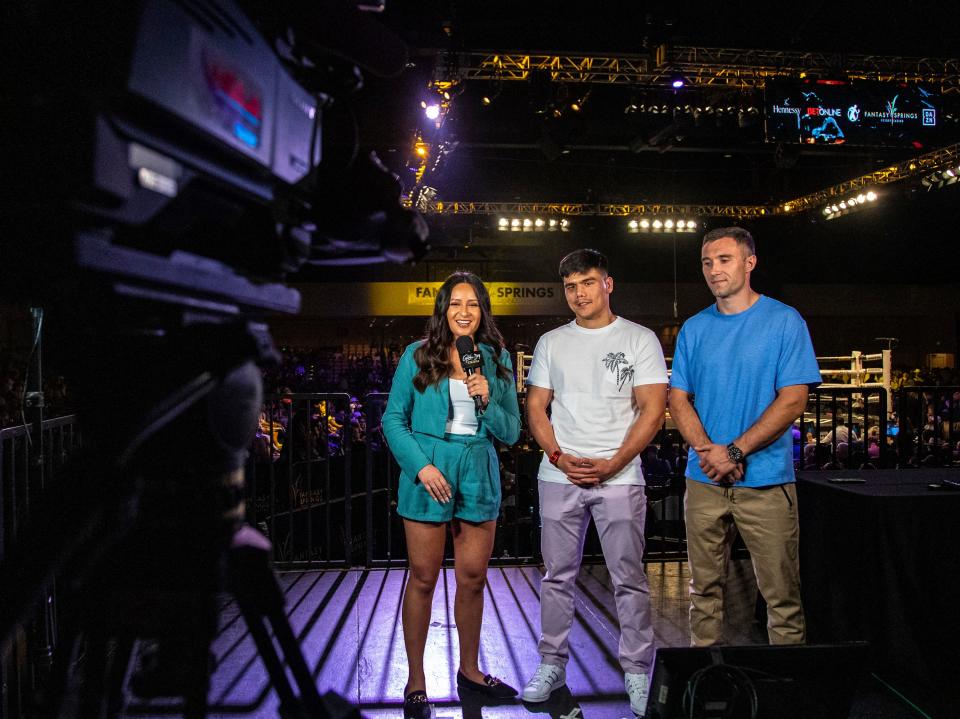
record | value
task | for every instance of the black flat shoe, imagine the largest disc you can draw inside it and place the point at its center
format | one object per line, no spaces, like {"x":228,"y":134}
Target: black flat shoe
{"x":491,"y":687}
{"x":416,"y":705}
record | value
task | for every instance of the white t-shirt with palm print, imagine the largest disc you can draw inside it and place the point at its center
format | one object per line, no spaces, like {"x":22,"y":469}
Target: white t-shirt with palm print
{"x":592,"y":373}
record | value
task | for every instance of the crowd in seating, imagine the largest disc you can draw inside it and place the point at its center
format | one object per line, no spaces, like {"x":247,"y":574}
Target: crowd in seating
{"x":355,"y":369}
{"x":358,"y":370}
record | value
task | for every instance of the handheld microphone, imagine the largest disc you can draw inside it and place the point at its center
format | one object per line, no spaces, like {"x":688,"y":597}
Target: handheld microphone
{"x":470,"y":360}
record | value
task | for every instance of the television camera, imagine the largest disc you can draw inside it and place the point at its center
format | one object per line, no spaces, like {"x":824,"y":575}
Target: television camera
{"x":169,"y":168}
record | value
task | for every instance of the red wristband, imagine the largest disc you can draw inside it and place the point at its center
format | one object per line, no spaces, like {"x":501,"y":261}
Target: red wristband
{"x":555,"y":457}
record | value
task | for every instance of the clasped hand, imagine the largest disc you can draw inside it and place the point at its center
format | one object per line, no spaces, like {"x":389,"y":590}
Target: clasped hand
{"x":586,"y":471}
{"x":717,"y":465}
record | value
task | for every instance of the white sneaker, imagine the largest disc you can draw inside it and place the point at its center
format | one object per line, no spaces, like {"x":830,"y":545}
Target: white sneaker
{"x":638,"y":688}
{"x":547,"y":678}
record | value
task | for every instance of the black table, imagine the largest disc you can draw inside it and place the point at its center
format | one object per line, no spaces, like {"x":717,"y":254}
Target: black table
{"x":880,"y":561}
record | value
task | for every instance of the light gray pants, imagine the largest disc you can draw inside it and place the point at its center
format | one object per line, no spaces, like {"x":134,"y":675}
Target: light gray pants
{"x":619,"y":512}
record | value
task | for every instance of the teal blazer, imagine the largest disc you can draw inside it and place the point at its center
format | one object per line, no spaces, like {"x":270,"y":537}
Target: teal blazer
{"x":410,"y":412}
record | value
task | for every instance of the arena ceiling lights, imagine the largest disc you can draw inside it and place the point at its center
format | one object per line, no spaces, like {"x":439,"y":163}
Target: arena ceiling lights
{"x":533,"y":224}
{"x":854,"y":203}
{"x":939,"y":179}
{"x":661,"y":225}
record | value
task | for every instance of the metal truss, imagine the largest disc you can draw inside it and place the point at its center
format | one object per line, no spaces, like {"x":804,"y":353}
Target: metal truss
{"x":705,"y":66}
{"x":905,"y":170}
{"x":908,"y":169}
{"x":574,"y":209}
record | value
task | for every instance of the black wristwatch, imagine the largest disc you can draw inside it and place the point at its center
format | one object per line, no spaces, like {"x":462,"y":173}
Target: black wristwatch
{"x":734,"y":453}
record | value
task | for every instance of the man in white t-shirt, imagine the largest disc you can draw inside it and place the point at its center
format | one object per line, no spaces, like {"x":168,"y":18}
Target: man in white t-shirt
{"x":605,"y":382}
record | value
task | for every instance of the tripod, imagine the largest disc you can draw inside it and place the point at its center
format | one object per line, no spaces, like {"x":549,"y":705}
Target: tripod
{"x":148,"y":527}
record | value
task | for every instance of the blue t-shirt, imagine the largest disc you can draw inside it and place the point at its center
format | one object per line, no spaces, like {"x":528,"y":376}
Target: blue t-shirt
{"x":733,"y":365}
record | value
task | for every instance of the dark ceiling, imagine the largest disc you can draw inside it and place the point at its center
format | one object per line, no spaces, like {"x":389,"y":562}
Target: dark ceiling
{"x":516,"y":150}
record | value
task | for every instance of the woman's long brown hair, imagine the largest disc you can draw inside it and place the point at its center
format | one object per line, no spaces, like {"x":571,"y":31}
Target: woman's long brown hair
{"x":433,"y":356}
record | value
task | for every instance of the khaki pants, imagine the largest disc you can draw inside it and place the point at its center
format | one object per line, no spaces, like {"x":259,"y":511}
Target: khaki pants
{"x":767,"y":520}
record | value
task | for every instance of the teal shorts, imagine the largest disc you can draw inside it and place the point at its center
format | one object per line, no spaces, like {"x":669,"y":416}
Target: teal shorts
{"x":472,"y":470}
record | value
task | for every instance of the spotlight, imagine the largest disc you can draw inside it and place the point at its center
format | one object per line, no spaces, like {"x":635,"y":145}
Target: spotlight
{"x":553,"y":224}
{"x":668,"y":224}
{"x":681,"y":224}
{"x":527,"y":224}
{"x":871,"y":196}
{"x":657,"y":224}
{"x":504,"y":223}
{"x":826,"y":210}
{"x":861,"y":198}
{"x":677,"y":81}
{"x":432,"y":111}
{"x":633,"y":225}
{"x":539,"y":223}
{"x":834,"y":208}
{"x":486,"y":100}
{"x":691,"y":225}
{"x":564,"y":224}
{"x":644,"y":223}
{"x":950,"y":173}
{"x":514,"y":225}
{"x":843,"y":205}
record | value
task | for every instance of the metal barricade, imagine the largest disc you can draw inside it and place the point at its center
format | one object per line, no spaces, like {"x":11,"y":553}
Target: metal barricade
{"x":300,"y":481}
{"x":929,"y":426}
{"x":844,"y":422}
{"x":22,"y":471}
{"x":384,"y":531}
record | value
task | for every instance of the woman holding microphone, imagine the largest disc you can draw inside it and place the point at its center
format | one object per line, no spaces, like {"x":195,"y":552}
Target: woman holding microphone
{"x":441,"y":422}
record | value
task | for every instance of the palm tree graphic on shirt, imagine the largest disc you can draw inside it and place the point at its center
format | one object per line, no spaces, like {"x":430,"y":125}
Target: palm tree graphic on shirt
{"x":617,"y":364}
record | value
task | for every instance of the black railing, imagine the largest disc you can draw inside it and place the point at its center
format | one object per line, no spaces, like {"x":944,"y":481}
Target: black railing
{"x":25,"y":461}
{"x":845,"y":423}
{"x":929,"y":431}
{"x":299,"y":479}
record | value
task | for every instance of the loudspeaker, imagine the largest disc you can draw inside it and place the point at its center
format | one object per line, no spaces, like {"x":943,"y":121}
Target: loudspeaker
{"x":775,"y":682}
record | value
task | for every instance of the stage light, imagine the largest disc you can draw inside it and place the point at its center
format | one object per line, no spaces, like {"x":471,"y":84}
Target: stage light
{"x":527,"y":224}
{"x":486,"y":100}
{"x":677,"y":81}
{"x":564,"y":225}
{"x":514,"y":225}
{"x":432,"y":111}
{"x":691,"y":225}
{"x":539,"y":223}
{"x":681,"y":224}
{"x":657,"y":224}
{"x":871,"y":196}
{"x":668,"y":225}
{"x":843,"y":205}
{"x":861,"y":198}
{"x":633,"y":225}
{"x":553,"y":224}
{"x":644,"y":223}
{"x":826,"y":210}
{"x":503,"y":223}
{"x":950,"y":173}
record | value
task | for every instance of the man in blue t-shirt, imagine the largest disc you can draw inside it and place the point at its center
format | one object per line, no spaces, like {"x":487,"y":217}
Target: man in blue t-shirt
{"x":742,"y":370}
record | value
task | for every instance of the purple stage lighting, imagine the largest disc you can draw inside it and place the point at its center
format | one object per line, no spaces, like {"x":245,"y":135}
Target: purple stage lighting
{"x":432,"y":112}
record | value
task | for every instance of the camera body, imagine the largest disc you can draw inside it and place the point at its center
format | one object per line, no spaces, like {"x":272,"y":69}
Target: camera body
{"x":175,"y":145}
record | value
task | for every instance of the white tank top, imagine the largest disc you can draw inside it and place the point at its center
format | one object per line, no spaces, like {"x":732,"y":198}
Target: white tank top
{"x":464,"y":420}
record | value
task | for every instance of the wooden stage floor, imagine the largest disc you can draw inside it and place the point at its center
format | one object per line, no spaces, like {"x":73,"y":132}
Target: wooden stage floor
{"x":348,"y":623}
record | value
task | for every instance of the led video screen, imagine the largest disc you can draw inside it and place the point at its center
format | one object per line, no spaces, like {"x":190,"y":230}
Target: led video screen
{"x":819,"y":112}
